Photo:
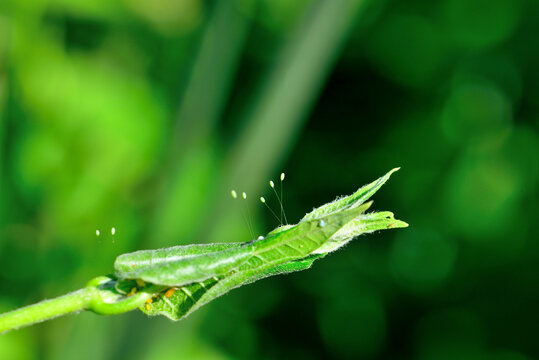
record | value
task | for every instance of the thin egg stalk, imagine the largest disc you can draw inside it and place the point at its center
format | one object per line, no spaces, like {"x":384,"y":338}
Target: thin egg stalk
{"x":263,"y":201}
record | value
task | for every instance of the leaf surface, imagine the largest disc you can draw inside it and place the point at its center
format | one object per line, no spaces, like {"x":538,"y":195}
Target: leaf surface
{"x":193,"y":275}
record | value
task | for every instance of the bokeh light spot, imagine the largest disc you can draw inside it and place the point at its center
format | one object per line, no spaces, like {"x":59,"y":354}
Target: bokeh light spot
{"x":407,"y":49}
{"x":494,"y":69}
{"x":476,"y":113}
{"x":480,"y":196}
{"x":521,"y":151}
{"x":421,"y":260}
{"x":478,"y":24}
{"x":486,"y":186}
{"x":280,"y":15}
{"x":169,"y":16}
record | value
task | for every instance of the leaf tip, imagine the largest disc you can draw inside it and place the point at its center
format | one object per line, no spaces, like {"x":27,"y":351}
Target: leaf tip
{"x":393,"y":170}
{"x":398,"y":224}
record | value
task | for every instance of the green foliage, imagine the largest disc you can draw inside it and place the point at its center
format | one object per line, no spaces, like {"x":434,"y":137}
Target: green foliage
{"x":135,"y":115}
{"x":201,"y":273}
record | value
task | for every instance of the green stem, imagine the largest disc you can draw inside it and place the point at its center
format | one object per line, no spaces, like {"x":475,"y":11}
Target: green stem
{"x":46,"y":310}
{"x":98,"y":296}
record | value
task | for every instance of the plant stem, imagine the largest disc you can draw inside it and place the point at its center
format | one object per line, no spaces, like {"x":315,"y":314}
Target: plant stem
{"x":96,"y":296}
{"x":48,"y":309}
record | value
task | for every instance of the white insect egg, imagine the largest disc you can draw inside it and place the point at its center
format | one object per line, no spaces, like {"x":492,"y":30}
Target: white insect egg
{"x":322,"y":223}
{"x":113,"y":231}
{"x":234,"y":194}
{"x":272,"y":184}
{"x":282,"y":176}
{"x":97,"y":232}
{"x":260,"y":237}
{"x":244,"y":195}
{"x":262,"y":200}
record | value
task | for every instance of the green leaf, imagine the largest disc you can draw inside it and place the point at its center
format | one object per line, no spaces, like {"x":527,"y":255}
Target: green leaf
{"x":176,"y":281}
{"x":197,"y":274}
{"x":294,"y":243}
{"x":184,"y":300}
{"x":129,"y":263}
{"x":356,"y":199}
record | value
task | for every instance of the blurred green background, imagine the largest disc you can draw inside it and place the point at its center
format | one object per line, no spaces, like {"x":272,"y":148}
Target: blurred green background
{"x":142,"y":115}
